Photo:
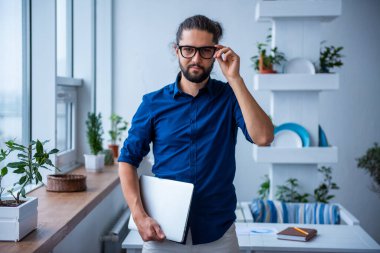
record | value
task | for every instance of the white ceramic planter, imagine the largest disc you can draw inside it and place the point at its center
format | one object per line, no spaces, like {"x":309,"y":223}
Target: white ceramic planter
{"x":94,"y":163}
{"x":17,"y":222}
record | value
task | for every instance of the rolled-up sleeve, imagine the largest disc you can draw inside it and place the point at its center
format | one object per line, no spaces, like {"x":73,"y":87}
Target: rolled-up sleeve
{"x":240,"y":119}
{"x":136,"y":146}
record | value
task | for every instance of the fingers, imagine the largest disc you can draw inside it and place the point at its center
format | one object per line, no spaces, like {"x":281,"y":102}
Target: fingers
{"x":150,"y":230}
{"x":226,"y":51}
{"x":159,"y":233}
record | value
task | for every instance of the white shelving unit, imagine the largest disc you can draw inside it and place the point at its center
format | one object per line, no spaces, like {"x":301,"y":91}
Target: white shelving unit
{"x":296,"y":82}
{"x":310,"y":155}
{"x":296,"y":31}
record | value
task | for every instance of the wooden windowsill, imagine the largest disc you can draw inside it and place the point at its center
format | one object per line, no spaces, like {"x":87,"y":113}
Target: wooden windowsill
{"x":59,"y":213}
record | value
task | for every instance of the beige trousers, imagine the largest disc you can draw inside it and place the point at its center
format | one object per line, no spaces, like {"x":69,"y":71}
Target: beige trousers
{"x":228,"y":243}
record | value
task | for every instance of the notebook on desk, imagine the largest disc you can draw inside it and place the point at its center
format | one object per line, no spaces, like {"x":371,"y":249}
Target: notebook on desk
{"x":297,"y":234}
{"x":168,"y":202}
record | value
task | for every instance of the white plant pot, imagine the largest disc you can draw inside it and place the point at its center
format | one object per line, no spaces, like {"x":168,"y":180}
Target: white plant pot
{"x":94,"y":163}
{"x":17,"y":222}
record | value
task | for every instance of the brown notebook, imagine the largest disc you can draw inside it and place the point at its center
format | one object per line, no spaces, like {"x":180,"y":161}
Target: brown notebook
{"x":294,"y":234}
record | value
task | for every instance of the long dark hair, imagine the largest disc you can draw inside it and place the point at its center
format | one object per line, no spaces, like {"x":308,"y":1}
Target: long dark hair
{"x":202,"y":23}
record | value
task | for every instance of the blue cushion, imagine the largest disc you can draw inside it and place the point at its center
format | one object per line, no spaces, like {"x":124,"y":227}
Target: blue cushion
{"x":304,"y":213}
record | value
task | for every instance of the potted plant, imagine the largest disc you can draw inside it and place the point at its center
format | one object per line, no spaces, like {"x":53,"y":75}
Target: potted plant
{"x":264,"y":188}
{"x":18,"y":213}
{"x":329,"y":58}
{"x":321,"y":193}
{"x":94,"y":161}
{"x":118,"y":126}
{"x":108,"y":157}
{"x":370,"y":162}
{"x":288,"y":192}
{"x":264,"y":62}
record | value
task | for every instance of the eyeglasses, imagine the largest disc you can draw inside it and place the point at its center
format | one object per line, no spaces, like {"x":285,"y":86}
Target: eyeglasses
{"x":189,"y":51}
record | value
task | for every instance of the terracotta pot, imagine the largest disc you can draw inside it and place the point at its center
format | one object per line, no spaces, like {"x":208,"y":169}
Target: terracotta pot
{"x":115,"y":149}
{"x":263,"y":69}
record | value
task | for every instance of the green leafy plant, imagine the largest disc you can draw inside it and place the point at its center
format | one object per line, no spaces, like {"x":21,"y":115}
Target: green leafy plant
{"x":264,"y":188}
{"x":31,"y":159}
{"x":321,"y":193}
{"x":118,"y":126}
{"x":370,"y":162}
{"x":268,"y":57}
{"x":108,"y":157}
{"x":288,"y":192}
{"x":4,"y":170}
{"x":330,"y":57}
{"x":94,"y":132}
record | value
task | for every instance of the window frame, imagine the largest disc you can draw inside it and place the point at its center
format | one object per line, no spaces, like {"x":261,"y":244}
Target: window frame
{"x":67,"y":92}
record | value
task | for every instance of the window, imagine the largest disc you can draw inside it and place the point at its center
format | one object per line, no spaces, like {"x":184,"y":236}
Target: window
{"x":66,"y":97}
{"x":64,"y":38}
{"x":66,"y":122}
{"x":14,"y":82}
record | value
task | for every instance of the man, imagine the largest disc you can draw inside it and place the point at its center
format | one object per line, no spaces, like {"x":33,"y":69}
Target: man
{"x":193,"y":125}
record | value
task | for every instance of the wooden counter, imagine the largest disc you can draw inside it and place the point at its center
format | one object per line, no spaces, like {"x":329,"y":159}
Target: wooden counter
{"x":59,"y":213}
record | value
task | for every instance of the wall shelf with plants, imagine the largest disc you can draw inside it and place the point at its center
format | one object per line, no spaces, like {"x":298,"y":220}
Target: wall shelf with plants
{"x":295,"y":66}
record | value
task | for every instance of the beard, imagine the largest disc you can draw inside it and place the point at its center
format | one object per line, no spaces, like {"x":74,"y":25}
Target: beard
{"x":196,"y":78}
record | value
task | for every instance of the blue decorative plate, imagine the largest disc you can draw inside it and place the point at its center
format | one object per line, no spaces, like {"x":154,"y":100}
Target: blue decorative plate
{"x":322,"y":137}
{"x":300,"y":130}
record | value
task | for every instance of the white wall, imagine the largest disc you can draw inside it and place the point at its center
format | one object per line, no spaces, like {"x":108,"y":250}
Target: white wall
{"x":143,"y":62}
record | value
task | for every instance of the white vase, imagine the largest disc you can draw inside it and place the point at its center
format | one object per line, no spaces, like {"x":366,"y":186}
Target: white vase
{"x":17,"y":222}
{"x":94,"y":163}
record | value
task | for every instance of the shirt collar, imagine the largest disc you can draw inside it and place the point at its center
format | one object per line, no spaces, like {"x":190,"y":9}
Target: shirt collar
{"x":209,"y":87}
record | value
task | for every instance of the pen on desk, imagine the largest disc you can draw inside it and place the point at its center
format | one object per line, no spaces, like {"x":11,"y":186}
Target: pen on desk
{"x":302,"y":231}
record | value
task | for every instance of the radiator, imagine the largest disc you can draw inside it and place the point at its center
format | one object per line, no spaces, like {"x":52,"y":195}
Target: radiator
{"x":111,"y":242}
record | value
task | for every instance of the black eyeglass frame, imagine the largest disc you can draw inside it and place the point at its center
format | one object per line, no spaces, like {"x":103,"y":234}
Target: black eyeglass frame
{"x":198,"y":49}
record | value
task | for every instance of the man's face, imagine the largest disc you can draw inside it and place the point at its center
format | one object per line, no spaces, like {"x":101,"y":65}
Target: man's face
{"x":195,"y":69}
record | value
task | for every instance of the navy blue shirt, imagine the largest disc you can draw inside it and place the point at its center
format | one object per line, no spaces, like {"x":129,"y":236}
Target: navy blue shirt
{"x":194,"y":141}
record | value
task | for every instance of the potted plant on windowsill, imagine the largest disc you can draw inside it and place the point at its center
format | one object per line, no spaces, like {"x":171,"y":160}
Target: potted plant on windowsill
{"x":263,"y":62}
{"x":118,"y":126}
{"x":94,"y":162}
{"x":18,"y":213}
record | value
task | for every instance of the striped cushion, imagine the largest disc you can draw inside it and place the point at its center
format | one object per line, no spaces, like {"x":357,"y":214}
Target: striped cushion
{"x":304,"y":213}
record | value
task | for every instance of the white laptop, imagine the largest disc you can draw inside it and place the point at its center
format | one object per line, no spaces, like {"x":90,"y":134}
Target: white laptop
{"x":168,"y":202}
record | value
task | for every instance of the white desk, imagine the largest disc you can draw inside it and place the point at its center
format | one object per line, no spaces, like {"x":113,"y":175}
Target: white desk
{"x":331,"y":238}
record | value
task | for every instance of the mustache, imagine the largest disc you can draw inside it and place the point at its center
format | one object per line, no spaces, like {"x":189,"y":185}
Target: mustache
{"x":195,"y":65}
